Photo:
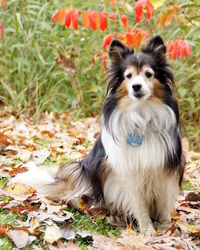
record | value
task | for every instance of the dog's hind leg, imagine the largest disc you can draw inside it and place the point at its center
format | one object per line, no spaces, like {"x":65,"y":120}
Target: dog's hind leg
{"x":70,"y":185}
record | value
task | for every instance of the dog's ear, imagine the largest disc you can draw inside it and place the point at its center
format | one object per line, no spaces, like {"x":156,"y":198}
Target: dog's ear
{"x":118,"y":51}
{"x":155,"y":46}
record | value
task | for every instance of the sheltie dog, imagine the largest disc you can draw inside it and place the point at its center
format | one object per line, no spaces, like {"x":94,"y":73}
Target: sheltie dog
{"x":136,"y":165}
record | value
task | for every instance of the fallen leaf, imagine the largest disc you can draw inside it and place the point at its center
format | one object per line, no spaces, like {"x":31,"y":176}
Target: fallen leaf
{"x":39,"y":156}
{"x":3,"y":229}
{"x":34,"y":224}
{"x":52,"y":233}
{"x":19,"y":189}
{"x":195,"y":235}
{"x":17,"y":170}
{"x":47,"y":133}
{"x":20,"y":238}
{"x":68,"y":233}
{"x":192,"y":196}
{"x":31,"y":148}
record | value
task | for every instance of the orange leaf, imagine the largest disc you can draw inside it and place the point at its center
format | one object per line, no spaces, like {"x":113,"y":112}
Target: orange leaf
{"x":48,"y":133}
{"x":107,"y":40}
{"x":75,"y":16}
{"x":124,"y":20}
{"x":103,"y":20}
{"x":54,"y":17}
{"x":85,"y":19}
{"x":113,"y":3}
{"x":149,"y":8}
{"x":17,"y":170}
{"x":93,"y":19}
{"x":61,"y":16}
{"x":3,"y":229}
{"x":68,"y":18}
{"x":113,"y":16}
{"x":31,"y":148}
{"x":138,"y":11}
{"x":3,"y":3}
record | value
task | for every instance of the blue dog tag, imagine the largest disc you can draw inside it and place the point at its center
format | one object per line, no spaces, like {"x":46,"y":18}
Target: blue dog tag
{"x":134,"y":140}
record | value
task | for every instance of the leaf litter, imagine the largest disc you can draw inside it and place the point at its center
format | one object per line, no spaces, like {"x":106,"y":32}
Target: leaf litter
{"x":56,"y":140}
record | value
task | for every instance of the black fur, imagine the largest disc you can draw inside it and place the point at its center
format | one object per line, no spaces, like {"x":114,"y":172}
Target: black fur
{"x":91,"y":167}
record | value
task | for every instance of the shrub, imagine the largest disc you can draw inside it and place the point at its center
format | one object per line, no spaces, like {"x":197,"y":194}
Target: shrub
{"x":46,"y":66}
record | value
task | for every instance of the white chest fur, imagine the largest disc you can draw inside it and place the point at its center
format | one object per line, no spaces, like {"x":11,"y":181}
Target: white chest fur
{"x":155,"y":123}
{"x":138,"y":178}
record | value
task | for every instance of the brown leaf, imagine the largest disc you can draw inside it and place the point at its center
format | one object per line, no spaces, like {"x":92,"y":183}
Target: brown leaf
{"x":28,"y":207}
{"x":81,"y":139}
{"x":17,"y":170}
{"x":3,"y":229}
{"x":66,"y":63}
{"x":6,"y":140}
{"x":192,"y":196}
{"x":172,"y":229}
{"x":47,"y":133}
{"x":195,"y":235}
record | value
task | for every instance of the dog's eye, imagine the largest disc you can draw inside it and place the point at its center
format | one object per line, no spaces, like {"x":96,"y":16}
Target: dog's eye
{"x":148,"y":74}
{"x":129,"y":75}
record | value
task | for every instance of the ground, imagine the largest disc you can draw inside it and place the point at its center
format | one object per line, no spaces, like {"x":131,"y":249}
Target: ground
{"x":29,"y":221}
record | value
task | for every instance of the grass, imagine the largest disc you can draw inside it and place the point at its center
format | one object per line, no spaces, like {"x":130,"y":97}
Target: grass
{"x":3,"y":180}
{"x":187,"y":185}
{"x":84,"y":222}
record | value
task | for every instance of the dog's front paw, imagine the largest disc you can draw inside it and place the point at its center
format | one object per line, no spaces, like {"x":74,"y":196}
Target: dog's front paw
{"x":148,"y":230}
{"x":165,"y":225}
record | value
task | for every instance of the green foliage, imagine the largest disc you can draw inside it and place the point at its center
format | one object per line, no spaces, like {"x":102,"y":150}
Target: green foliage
{"x":187,"y":71}
{"x":187,"y":185}
{"x":84,"y":222}
{"x":34,"y":79}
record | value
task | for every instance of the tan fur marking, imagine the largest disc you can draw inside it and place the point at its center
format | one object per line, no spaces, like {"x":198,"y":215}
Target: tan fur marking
{"x":158,"y":89}
{"x":122,"y":94}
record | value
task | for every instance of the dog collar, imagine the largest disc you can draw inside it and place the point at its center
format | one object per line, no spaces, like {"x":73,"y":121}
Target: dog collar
{"x":134,"y":140}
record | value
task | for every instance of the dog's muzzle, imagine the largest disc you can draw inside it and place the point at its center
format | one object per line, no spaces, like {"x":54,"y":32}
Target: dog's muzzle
{"x":137,"y":90}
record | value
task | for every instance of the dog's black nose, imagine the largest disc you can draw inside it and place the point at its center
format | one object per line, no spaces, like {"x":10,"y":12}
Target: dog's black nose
{"x":136,"y":87}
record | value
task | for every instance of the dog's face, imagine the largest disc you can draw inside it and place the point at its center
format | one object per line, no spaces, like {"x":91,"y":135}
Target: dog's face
{"x":138,"y":77}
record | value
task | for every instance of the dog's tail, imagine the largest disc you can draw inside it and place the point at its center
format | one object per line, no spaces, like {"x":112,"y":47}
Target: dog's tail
{"x":66,"y":183}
